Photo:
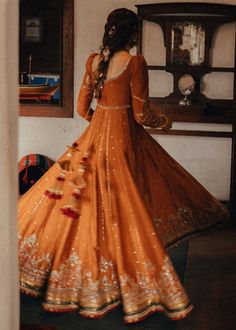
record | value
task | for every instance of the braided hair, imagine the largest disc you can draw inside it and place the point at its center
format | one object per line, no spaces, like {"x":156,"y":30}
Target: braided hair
{"x":120,"y":33}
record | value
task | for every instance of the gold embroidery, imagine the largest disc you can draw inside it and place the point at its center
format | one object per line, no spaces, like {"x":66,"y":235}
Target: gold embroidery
{"x":187,"y":222}
{"x":145,"y":117}
{"x":87,"y":83}
{"x":33,"y":268}
{"x":89,"y":88}
{"x":139,"y":99}
{"x":73,"y":286}
{"x":117,"y":107}
{"x":87,"y":80}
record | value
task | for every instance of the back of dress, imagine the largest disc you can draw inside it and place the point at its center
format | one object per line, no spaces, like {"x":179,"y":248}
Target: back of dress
{"x":93,"y":229}
{"x":127,"y":90}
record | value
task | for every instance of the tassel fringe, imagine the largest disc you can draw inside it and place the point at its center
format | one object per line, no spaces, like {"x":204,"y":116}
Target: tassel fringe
{"x":70,"y":210}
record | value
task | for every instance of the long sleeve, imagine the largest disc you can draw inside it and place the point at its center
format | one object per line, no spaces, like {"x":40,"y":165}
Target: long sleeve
{"x":140,"y":93}
{"x":85,"y":96}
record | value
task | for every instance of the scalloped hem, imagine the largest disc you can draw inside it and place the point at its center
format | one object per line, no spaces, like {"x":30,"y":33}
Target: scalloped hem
{"x":30,"y":292}
{"x":174,"y":315}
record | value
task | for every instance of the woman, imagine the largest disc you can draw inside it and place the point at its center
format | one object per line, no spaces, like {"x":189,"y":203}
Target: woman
{"x":94,"y":228}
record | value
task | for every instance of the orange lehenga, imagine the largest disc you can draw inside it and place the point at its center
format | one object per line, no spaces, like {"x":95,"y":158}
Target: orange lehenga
{"x":93,"y":230}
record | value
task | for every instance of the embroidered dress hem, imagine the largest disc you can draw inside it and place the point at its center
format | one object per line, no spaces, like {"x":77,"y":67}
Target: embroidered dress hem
{"x":102,"y":311}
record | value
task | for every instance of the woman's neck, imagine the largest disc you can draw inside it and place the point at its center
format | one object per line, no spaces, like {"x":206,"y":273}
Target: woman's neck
{"x":122,"y":52}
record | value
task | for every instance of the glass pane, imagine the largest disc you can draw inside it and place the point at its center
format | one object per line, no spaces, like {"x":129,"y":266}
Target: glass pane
{"x":40,"y":64}
{"x":161,"y":83}
{"x":218,"y":85}
{"x":187,"y":43}
{"x":224,"y":37}
{"x":153,"y":47}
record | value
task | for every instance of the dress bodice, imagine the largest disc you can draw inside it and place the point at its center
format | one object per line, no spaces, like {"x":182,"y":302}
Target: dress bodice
{"x":116,"y":92}
{"x":128,"y":89}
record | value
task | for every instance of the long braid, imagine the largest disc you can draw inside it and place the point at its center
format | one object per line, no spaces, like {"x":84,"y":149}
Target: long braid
{"x":120,"y":32}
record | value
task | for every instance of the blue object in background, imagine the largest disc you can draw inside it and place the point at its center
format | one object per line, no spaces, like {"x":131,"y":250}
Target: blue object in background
{"x":50,"y":79}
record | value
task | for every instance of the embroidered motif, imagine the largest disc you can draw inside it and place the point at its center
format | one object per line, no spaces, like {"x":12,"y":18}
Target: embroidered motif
{"x":73,"y":285}
{"x":88,"y":88}
{"x":181,"y":223}
{"x":34,"y":269}
{"x":87,"y":81}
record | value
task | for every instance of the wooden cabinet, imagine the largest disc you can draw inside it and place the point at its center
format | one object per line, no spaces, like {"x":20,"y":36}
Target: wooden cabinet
{"x":188,"y":33}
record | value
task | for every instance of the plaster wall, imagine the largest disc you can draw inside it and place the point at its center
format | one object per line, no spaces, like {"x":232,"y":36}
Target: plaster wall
{"x":208,"y":159}
{"x":9,"y":304}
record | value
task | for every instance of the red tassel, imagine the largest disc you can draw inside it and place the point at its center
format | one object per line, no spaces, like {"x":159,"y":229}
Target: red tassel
{"x":53,"y":194}
{"x":76,"y":195}
{"x":59,"y":178}
{"x":70,"y":212}
{"x":56,"y":192}
{"x":75,"y":145}
{"x":84,"y":160}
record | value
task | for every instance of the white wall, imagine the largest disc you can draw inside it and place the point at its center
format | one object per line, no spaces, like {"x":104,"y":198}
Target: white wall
{"x":9,"y":314}
{"x":207,"y":159}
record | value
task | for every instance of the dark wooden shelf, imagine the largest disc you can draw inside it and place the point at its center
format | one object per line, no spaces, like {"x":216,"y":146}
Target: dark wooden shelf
{"x":184,"y":132}
{"x":195,"y":113}
{"x":190,"y":68}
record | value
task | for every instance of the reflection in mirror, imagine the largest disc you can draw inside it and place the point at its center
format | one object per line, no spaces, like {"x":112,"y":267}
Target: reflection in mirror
{"x":187,"y":43}
{"x":186,"y":86}
{"x":40,"y":59}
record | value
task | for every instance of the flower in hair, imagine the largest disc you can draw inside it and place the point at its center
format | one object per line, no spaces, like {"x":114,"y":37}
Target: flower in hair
{"x":106,"y":54}
{"x":112,"y":31}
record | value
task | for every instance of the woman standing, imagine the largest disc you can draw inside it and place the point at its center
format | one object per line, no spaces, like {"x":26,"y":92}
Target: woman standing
{"x":94,"y":228}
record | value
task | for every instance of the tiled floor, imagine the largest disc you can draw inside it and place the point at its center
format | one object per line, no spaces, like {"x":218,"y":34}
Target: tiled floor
{"x":210,"y":279}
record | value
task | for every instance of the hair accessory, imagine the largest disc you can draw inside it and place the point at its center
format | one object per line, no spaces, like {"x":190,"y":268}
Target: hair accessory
{"x":106,"y":54}
{"x":112,"y":31}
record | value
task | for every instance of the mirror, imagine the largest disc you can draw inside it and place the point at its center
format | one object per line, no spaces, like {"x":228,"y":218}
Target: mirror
{"x":46,"y":58}
{"x":187,"y":43}
{"x":186,"y":85}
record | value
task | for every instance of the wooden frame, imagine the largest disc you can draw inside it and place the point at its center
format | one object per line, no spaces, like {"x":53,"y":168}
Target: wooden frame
{"x":211,"y":16}
{"x":66,"y":109}
{"x":203,"y":110}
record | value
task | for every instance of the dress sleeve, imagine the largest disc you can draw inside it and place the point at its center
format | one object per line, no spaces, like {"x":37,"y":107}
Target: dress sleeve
{"x":140,"y":93}
{"x":85,"y":96}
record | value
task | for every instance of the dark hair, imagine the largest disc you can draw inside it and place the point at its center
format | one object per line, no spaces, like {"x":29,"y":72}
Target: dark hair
{"x":120,"y":33}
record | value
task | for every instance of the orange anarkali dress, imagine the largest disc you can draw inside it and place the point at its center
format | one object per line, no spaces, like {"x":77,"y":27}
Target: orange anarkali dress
{"x":93,"y":230}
